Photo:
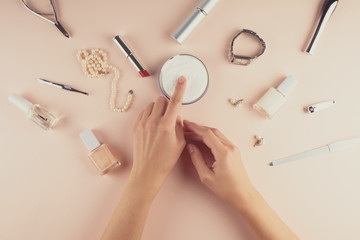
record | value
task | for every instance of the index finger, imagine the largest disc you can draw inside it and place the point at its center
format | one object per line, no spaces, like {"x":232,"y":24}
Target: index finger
{"x":175,"y":102}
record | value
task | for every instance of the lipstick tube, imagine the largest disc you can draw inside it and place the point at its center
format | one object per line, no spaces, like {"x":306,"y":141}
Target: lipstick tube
{"x":193,"y":20}
{"x":130,"y":55}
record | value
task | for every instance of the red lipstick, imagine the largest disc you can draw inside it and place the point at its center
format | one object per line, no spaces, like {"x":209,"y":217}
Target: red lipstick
{"x":144,"y":73}
{"x":130,"y":55}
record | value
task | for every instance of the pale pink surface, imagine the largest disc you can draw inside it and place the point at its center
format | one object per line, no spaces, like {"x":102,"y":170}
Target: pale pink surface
{"x":49,"y":188}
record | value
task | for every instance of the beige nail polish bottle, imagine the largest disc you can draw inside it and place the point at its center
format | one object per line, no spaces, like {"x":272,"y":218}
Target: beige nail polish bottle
{"x":273,"y":99}
{"x":99,"y":154}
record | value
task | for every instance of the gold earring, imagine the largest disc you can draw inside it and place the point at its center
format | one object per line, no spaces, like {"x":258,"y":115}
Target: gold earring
{"x":235,"y":102}
{"x":259,"y":141}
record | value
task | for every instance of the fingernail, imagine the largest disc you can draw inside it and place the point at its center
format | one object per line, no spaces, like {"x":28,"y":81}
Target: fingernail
{"x":181,"y":79}
{"x":190,"y":148}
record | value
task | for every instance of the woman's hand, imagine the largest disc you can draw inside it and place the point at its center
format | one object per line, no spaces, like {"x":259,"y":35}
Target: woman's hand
{"x":159,"y":139}
{"x":158,"y":143}
{"x":226,"y":177}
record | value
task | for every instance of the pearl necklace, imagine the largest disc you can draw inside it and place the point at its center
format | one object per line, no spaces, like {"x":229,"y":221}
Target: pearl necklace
{"x":94,"y":65}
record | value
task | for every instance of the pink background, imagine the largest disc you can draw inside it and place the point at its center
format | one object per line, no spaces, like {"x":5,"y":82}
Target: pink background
{"x":49,"y":188}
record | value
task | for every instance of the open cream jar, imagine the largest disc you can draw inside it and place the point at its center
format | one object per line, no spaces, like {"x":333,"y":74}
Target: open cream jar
{"x":193,"y":69}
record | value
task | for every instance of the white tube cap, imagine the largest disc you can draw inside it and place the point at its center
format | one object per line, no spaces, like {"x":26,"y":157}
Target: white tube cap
{"x":207,"y":5}
{"x":89,"y":139}
{"x":287,"y":85}
{"x":22,"y":103}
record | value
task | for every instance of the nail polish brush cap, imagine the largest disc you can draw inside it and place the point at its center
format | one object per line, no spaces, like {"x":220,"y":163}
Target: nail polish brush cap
{"x":89,"y":139}
{"x":287,"y":85}
{"x":22,"y":103}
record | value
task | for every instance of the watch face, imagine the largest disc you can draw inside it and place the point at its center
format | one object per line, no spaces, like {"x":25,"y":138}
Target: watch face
{"x":239,"y":60}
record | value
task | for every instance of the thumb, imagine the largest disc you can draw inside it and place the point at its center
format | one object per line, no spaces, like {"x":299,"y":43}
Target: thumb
{"x":199,"y":162}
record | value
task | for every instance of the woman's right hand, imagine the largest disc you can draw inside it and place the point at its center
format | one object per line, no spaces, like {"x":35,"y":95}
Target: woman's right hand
{"x":227,"y":176}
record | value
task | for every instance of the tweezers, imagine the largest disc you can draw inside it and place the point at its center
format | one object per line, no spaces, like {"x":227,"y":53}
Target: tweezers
{"x":42,"y":15}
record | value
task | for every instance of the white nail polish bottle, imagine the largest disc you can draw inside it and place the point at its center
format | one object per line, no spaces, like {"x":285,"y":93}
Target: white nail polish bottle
{"x":273,"y":99}
{"x":35,"y":112}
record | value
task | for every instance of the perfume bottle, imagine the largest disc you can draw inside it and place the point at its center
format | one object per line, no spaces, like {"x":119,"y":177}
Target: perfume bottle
{"x":273,"y":99}
{"x":35,"y":112}
{"x":99,"y":154}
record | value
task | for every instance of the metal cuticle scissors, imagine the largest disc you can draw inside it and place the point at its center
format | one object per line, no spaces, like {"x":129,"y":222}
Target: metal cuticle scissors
{"x":42,"y":15}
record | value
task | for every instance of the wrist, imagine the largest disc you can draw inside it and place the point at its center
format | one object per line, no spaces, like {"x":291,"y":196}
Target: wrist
{"x":147,"y":186}
{"x":244,"y":198}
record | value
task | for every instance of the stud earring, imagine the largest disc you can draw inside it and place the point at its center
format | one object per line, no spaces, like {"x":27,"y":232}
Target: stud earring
{"x":235,"y":102}
{"x":259,"y":141}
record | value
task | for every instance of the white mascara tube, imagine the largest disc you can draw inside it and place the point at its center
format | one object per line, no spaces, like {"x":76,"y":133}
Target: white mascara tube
{"x":193,"y":20}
